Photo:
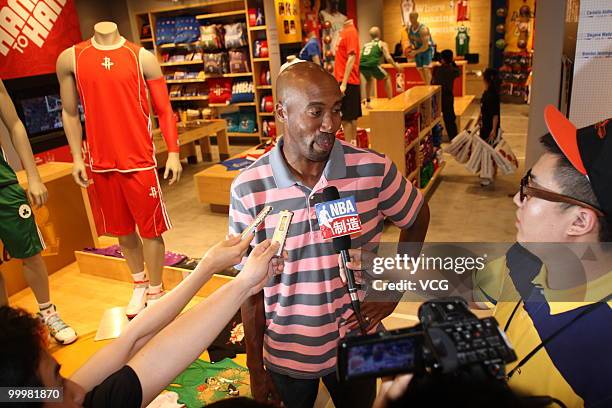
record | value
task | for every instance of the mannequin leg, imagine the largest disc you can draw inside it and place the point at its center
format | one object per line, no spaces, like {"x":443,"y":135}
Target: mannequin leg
{"x":154,"y":250}
{"x":350,"y":130}
{"x":35,"y":274}
{"x":131,"y":245}
{"x":369,"y":93}
{"x":425,"y":73}
{"x":132,"y":248}
{"x":388,"y":87}
{"x":3,"y":294}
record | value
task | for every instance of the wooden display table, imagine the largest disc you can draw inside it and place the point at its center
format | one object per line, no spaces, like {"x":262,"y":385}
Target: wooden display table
{"x":213,"y":185}
{"x":413,"y":78}
{"x":388,"y":127}
{"x":63,"y":222}
{"x":461,"y":105}
{"x":200,"y":130}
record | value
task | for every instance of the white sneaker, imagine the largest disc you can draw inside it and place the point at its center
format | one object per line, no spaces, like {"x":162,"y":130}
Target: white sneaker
{"x":138,"y":300}
{"x":58,"y":329}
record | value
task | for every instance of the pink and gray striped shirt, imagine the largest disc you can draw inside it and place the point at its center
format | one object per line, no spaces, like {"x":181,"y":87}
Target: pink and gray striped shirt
{"x":307,"y":305}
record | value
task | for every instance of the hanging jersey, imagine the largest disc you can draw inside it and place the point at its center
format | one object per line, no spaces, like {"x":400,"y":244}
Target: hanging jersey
{"x":114,"y":97}
{"x":462,"y":42}
{"x":371,"y":54}
{"x":462,"y":10}
{"x":7,"y":175}
{"x":415,"y":38}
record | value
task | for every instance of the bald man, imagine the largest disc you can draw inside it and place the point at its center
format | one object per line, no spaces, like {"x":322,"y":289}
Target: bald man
{"x":369,"y":64}
{"x":293,"y":326}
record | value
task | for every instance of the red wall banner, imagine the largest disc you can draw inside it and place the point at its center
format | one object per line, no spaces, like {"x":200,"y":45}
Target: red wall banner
{"x":33,"y":34}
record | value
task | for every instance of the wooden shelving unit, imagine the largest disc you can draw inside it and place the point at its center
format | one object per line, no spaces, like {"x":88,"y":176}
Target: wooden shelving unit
{"x":260,"y":32}
{"x":177,"y":64}
{"x":185,"y":81}
{"x":388,"y":128}
{"x":213,"y":12}
{"x":211,"y":16}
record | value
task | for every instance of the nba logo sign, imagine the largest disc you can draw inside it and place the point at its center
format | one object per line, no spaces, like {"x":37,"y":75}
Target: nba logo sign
{"x":338,"y":217}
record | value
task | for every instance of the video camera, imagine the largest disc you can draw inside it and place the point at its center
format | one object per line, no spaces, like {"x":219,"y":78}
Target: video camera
{"x":448,"y":339}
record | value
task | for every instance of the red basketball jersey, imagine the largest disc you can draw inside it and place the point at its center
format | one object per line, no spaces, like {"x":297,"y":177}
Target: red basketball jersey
{"x":114,"y":97}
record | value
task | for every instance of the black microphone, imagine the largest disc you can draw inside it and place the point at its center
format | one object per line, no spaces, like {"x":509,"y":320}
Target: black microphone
{"x":342,"y":245}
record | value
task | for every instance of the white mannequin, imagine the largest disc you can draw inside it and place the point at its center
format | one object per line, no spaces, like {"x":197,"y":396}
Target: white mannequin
{"x":369,"y":82}
{"x":34,"y":268}
{"x":136,"y":251}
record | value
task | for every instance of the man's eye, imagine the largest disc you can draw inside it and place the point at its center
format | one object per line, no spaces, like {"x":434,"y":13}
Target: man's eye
{"x":315,"y":113}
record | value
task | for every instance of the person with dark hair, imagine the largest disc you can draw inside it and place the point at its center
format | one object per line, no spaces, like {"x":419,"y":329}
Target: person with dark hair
{"x":553,"y":301}
{"x":445,"y":76}
{"x":154,"y":347}
{"x":490,"y":111}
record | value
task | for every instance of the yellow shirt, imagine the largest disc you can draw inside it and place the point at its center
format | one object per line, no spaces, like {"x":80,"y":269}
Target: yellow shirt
{"x":576,"y":366}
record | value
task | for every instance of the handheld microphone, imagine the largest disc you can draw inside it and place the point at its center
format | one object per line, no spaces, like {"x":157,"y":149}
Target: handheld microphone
{"x":342,"y":245}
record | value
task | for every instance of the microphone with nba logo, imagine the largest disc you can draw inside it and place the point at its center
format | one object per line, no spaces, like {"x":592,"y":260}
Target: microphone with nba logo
{"x":338,"y":218}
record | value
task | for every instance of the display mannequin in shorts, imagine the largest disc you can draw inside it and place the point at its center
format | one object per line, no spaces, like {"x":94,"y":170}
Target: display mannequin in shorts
{"x":369,"y":64}
{"x":18,"y":231}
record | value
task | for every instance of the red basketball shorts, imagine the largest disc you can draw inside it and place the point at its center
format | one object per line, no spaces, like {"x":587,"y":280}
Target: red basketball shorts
{"x":127,"y":200}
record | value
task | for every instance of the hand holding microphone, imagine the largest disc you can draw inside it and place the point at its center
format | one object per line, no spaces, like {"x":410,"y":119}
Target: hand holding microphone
{"x":346,"y":220}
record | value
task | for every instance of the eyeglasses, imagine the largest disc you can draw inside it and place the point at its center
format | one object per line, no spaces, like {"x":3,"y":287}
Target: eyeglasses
{"x":527,"y":191}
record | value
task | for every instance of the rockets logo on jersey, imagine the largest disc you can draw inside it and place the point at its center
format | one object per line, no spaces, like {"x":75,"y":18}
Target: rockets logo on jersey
{"x":338,"y":217}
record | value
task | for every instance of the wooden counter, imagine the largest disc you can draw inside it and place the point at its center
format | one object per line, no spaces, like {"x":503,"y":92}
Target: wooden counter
{"x":67,"y":228}
{"x":213,"y":185}
{"x":413,"y":78}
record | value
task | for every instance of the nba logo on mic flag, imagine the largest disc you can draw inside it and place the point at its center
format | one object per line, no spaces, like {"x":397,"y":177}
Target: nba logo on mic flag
{"x":338,"y":217}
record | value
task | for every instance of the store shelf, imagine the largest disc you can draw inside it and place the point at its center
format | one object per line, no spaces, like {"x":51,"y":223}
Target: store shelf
{"x":185,"y":81}
{"x":412,"y":144}
{"x":264,"y":87}
{"x":261,"y":59}
{"x":223,"y":105}
{"x":234,"y":134}
{"x":430,"y":126}
{"x":433,"y":179}
{"x":176,"y":64}
{"x":238,"y":74}
{"x":412,"y":176}
{"x":190,"y":98}
{"x":266,"y":113}
{"x":179,"y":45}
{"x":257,"y":28}
{"x":144,"y":40}
{"x":221,"y":15}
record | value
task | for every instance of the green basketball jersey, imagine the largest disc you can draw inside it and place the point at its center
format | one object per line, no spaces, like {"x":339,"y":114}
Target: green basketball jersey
{"x":7,"y":175}
{"x":371,"y":54}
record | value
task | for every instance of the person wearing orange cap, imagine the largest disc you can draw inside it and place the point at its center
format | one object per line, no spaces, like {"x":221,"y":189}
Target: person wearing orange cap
{"x":551,"y":292}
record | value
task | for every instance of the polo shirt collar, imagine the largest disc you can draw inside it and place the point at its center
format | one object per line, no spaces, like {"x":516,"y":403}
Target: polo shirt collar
{"x":335,"y":168}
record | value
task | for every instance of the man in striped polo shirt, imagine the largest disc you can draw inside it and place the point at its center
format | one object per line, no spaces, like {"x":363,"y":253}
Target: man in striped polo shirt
{"x":292,"y":328}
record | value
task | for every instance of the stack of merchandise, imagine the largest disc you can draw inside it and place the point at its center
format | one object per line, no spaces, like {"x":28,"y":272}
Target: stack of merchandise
{"x":174,"y":30}
{"x":515,"y":75}
{"x":242,"y":121}
{"x":243,"y":91}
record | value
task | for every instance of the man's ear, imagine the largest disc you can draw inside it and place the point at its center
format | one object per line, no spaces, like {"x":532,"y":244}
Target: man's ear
{"x":585,"y":222}
{"x":281,"y":112}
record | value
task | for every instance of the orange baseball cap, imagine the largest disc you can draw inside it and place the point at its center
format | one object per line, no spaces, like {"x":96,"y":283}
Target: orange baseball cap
{"x":589,"y":149}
